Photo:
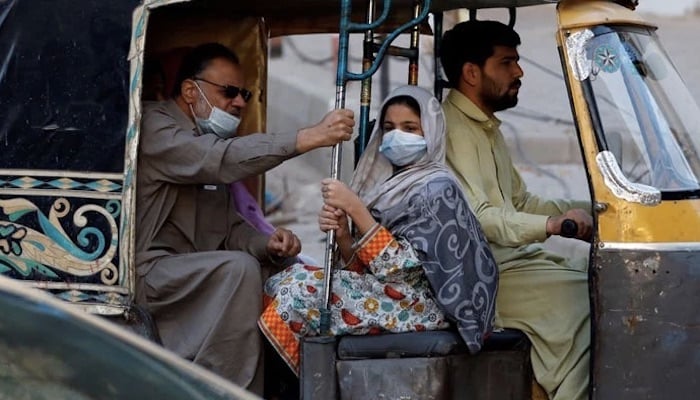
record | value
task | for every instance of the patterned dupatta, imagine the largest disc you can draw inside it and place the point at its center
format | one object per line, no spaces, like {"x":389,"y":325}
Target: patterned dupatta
{"x":424,"y":204}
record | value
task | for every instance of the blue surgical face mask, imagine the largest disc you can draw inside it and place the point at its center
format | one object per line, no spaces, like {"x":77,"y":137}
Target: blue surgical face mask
{"x":220,"y":123}
{"x":403,"y":148}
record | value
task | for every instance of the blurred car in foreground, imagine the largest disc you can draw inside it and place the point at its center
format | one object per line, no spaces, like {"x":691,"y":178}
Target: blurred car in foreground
{"x":51,"y":351}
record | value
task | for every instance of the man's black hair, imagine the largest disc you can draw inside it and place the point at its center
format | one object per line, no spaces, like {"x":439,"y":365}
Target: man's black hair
{"x":473,"y":42}
{"x":199,"y":59}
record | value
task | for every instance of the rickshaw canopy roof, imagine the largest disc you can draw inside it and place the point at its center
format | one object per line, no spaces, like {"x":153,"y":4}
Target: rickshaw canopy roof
{"x":286,"y":17}
{"x":267,"y":8}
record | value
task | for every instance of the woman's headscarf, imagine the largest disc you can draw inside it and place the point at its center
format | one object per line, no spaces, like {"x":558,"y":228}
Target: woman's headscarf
{"x":424,"y":204}
{"x":374,"y":169}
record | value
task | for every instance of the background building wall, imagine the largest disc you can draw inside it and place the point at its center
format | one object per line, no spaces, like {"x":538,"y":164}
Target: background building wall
{"x":669,"y":7}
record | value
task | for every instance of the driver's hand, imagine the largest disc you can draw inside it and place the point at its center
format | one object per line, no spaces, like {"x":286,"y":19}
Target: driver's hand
{"x":583,"y":220}
{"x":283,"y":243}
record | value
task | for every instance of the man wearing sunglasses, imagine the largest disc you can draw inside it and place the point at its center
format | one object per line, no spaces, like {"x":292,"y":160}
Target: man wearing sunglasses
{"x":199,"y":264}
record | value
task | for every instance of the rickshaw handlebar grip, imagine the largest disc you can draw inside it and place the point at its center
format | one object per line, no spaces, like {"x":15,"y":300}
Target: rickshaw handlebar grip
{"x":569,"y":228}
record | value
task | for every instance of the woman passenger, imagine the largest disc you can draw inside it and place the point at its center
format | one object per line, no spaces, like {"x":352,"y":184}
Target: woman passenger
{"x":418,"y":261}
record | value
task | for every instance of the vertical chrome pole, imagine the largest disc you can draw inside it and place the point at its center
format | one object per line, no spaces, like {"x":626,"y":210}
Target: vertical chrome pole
{"x":336,"y":157}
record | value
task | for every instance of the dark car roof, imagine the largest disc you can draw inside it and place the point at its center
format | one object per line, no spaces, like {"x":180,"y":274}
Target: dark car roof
{"x":49,"y":350}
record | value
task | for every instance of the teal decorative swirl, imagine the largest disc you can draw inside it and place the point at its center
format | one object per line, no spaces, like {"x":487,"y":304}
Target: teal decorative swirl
{"x":114,"y":207}
{"x":84,"y":240}
{"x":48,"y":249}
{"x":57,"y":237}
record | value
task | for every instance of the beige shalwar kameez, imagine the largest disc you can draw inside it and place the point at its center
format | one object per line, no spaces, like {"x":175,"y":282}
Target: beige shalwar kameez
{"x":198,"y":263}
{"x":539,"y":292}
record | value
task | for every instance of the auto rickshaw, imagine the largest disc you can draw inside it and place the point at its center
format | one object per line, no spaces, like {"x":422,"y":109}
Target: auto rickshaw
{"x":71,"y":93}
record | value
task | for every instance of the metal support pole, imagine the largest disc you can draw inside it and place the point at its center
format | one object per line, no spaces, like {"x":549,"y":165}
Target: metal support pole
{"x":511,"y":16}
{"x":366,"y":90}
{"x":385,"y":78}
{"x":439,"y":83}
{"x":415,"y":38}
{"x":342,"y":76}
{"x":336,"y":154}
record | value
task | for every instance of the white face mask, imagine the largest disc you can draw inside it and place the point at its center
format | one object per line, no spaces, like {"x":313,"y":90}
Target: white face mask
{"x":220,"y":123}
{"x":403,"y":148}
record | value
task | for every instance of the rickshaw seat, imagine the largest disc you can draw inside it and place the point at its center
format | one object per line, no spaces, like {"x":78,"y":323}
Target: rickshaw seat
{"x":400,"y":345}
{"x":423,"y":344}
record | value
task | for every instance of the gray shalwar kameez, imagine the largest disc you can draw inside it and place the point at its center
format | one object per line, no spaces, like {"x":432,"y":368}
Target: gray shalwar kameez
{"x":198,"y":262}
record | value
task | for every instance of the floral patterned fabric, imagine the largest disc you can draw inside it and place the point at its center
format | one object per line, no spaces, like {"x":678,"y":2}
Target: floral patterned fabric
{"x":383,"y":289}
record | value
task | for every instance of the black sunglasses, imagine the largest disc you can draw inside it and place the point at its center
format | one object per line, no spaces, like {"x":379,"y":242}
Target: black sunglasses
{"x":230,"y":92}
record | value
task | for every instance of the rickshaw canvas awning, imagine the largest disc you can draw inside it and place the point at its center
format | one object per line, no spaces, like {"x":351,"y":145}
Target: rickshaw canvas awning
{"x":267,"y":8}
{"x":286,"y":17}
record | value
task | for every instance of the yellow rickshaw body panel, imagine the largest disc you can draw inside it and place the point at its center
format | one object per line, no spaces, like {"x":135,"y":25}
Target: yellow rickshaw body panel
{"x":669,"y":222}
{"x":621,"y":221}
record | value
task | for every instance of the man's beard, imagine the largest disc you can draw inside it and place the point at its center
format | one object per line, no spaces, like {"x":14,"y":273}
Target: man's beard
{"x":497,"y":101}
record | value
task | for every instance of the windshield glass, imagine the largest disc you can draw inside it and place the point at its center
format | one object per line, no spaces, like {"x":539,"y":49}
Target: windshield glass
{"x":648,"y":119}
